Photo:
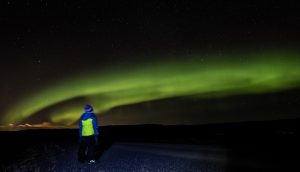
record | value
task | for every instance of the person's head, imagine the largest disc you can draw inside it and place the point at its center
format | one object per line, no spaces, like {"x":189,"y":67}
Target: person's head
{"x":88,"y":108}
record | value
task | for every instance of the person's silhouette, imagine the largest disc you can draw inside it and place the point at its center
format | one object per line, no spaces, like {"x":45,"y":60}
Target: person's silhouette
{"x":88,"y":132}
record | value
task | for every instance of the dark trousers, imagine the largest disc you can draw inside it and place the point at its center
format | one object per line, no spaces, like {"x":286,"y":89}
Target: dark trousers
{"x":86,"y":148}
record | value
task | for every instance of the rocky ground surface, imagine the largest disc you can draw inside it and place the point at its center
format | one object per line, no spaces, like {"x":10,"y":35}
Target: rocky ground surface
{"x":143,"y":157}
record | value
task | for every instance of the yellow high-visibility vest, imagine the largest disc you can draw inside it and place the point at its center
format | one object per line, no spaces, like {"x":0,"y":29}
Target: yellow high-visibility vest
{"x":87,"y":127}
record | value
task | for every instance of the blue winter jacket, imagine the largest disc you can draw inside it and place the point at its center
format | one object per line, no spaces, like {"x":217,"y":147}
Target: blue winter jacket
{"x":87,"y":116}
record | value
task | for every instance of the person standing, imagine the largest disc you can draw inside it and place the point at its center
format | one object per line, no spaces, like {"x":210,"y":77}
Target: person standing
{"x":88,"y":132}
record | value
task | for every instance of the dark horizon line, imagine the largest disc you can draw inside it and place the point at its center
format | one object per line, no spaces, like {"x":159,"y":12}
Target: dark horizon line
{"x":256,"y":122}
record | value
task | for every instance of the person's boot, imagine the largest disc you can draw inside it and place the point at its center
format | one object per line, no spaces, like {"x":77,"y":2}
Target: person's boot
{"x":92,"y":162}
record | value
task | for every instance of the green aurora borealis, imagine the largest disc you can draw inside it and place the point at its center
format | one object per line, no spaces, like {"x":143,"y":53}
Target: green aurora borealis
{"x":197,"y":76}
{"x":148,"y":62}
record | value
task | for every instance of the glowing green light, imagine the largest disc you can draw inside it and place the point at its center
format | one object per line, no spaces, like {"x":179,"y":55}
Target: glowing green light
{"x":133,"y":84}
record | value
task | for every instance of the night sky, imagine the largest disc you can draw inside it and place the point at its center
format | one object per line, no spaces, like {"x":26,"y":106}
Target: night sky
{"x":156,"y":62}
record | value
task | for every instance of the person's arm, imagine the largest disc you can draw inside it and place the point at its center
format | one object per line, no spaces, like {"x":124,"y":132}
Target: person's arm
{"x":95,"y":125}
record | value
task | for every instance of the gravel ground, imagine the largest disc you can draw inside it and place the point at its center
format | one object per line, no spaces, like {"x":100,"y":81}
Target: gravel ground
{"x":129,"y":157}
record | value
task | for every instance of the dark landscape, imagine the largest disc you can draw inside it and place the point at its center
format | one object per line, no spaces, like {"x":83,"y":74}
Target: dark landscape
{"x":244,"y":146}
{"x":174,"y":85}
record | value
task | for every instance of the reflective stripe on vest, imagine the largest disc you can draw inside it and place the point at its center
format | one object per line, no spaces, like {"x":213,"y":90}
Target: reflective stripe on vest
{"x":87,"y":127}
